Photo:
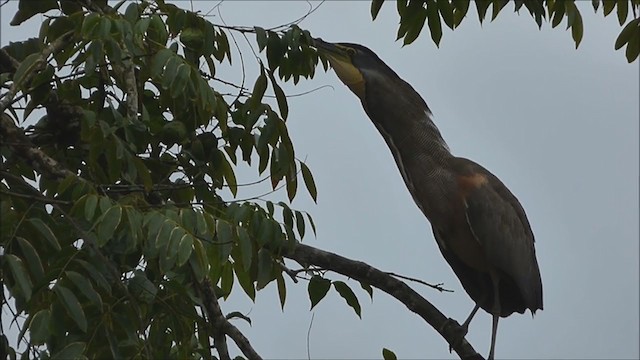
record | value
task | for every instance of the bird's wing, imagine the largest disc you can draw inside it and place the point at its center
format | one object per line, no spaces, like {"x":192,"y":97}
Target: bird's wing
{"x":499,"y":223}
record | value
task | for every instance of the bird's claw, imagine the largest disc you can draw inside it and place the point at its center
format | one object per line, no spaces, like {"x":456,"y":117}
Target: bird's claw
{"x":459,"y":332}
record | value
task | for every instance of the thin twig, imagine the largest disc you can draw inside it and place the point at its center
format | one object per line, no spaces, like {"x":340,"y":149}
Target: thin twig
{"x":438,"y":286}
{"x":41,"y":199}
{"x":292,"y":274}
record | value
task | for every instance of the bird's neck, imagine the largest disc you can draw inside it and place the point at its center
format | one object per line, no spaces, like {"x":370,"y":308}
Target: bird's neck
{"x":414,"y":135}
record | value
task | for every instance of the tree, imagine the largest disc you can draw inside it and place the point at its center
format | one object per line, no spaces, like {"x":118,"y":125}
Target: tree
{"x":110,"y":203}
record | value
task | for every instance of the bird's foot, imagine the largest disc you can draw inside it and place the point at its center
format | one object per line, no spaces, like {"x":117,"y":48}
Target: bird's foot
{"x":457,"y":331}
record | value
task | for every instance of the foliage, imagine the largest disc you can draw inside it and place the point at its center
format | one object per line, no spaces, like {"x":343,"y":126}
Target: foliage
{"x":415,"y":13}
{"x":114,"y":221}
{"x":105,"y":256}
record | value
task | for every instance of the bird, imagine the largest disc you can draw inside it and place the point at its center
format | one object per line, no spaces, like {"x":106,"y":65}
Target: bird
{"x":479,"y":226}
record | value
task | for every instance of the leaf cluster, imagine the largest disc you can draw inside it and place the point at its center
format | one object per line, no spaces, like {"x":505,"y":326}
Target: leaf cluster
{"x":414,"y":14}
{"x":107,"y":259}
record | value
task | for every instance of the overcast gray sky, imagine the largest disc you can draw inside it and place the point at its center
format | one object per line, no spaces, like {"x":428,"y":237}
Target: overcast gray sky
{"x":558,"y":126}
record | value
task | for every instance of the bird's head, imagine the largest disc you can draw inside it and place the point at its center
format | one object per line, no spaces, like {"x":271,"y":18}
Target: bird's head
{"x":354,"y":64}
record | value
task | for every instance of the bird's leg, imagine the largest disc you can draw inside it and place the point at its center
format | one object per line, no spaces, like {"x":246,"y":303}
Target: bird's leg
{"x":464,"y":328}
{"x":496,"y":313}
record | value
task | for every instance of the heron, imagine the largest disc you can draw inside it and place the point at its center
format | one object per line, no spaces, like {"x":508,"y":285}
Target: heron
{"x":480,"y":227}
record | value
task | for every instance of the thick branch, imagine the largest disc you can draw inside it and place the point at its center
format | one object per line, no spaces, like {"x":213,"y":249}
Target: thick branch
{"x":14,"y":137}
{"x":222,"y":326}
{"x":216,"y":319}
{"x":448,"y":328}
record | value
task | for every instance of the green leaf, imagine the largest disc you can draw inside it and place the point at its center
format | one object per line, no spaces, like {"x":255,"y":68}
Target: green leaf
{"x":287,"y":215}
{"x":317,"y":289}
{"x":313,"y":225}
{"x":461,"y":8}
{"x":229,"y":176}
{"x":33,"y":259}
{"x":309,"y":182}
{"x":261,"y":37}
{"x":375,"y":8}
{"x":142,"y":288}
{"x":622,"y":10}
{"x":27,"y":9}
{"x":433,"y":19}
{"x":104,"y":28}
{"x":280,"y":97}
{"x":366,"y":287}
{"x":72,"y":305}
{"x":226,"y":279}
{"x":66,"y":182}
{"x":75,"y":350}
{"x":497,"y":7}
{"x":89,"y":24}
{"x":608,"y":6}
{"x":198,"y":260}
{"x":282,"y":289}
{"x":300,"y":223}
{"x":97,"y":277}
{"x":245,"y":281}
{"x":275,"y":50}
{"x":446,"y":11}
{"x":27,"y":67}
{"x":90,"y":206}
{"x":571,"y":10}
{"x":86,"y":288}
{"x":345,"y":291}
{"x":131,"y":14}
{"x":265,"y":268}
{"x":576,"y":29}
{"x":185,"y":247}
{"x":627,"y":33}
{"x":246,"y":248}
{"x":164,"y":234}
{"x":226,"y":239}
{"x":180,"y":81}
{"x":170,"y":71}
{"x":482,"y":6}
{"x":108,"y":225}
{"x":633,"y":47}
{"x":168,"y":254}
{"x":558,"y":14}
{"x":388,"y":354}
{"x":20,"y":275}
{"x":39,"y":327}
{"x":159,"y":61}
{"x":270,"y":208}
{"x":258,"y":90}
{"x":417,"y":24}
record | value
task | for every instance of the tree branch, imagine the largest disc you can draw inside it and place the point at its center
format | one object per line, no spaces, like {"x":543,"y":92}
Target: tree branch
{"x":216,"y":319}
{"x":223,"y":327}
{"x":22,"y":147}
{"x":448,"y":328}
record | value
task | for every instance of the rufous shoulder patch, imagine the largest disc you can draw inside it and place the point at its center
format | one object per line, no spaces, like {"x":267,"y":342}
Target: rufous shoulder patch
{"x":473,"y":181}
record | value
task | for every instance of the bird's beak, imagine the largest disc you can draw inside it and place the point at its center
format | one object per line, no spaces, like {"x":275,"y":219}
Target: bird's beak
{"x":342,"y":64}
{"x":331,"y":51}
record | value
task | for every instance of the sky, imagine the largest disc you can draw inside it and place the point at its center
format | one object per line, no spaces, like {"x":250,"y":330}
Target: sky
{"x":558,"y":126}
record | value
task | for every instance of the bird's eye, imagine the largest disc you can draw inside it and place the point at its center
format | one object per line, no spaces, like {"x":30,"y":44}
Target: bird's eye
{"x":351,"y":51}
